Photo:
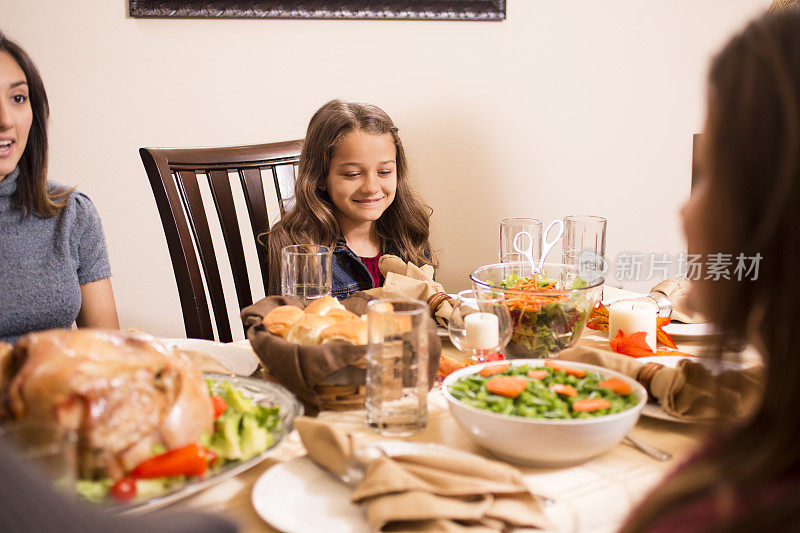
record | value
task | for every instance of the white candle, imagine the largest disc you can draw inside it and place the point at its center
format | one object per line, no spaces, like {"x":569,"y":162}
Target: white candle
{"x":483,"y":331}
{"x":630,"y":316}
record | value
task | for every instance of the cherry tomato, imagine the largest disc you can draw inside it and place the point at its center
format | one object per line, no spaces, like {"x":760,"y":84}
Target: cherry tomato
{"x":124,"y":490}
{"x":220,"y":406}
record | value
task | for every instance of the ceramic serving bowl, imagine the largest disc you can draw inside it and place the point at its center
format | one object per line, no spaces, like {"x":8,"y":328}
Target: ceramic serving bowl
{"x":539,"y":442}
{"x":544,"y":321}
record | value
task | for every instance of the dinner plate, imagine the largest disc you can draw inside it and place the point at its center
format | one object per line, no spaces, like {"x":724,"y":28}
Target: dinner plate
{"x":284,"y":495}
{"x":237,"y":359}
{"x":262,"y":393}
{"x":653,"y":409}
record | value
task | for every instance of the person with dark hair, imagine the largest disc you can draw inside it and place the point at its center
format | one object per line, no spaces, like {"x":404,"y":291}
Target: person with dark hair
{"x":746,"y":202}
{"x":353,"y":193}
{"x":54,"y":268}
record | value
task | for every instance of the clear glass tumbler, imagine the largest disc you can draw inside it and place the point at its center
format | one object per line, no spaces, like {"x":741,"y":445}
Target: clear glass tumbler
{"x":306,"y":271}
{"x":47,"y":447}
{"x":397,"y":367}
{"x":509,"y":228}
{"x":584,"y":244}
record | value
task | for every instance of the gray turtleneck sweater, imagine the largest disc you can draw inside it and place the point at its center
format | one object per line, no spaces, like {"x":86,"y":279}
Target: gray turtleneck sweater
{"x":43,"y":262}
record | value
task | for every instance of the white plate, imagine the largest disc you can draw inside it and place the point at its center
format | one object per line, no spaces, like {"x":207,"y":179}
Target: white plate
{"x":237,"y":359}
{"x":299,"y":497}
{"x":259,"y":391}
{"x":652,"y":409}
{"x":681,"y":330}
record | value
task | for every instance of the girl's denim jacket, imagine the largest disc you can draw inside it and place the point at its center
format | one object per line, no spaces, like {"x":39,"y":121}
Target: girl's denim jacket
{"x":348,"y":272}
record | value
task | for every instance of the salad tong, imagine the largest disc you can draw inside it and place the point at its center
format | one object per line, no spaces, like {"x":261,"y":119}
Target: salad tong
{"x":547,"y":245}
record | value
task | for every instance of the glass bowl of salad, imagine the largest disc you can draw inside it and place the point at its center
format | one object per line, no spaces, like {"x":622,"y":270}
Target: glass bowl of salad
{"x":549,"y":309}
{"x":544,"y":412}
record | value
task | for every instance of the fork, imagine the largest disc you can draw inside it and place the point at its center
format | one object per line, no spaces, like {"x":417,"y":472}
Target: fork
{"x":648,"y":449}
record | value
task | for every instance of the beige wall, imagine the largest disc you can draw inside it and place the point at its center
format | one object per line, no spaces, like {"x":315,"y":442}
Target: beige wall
{"x":565,"y":107}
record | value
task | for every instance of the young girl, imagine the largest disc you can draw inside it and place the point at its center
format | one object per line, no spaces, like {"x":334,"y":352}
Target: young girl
{"x":353,"y":194}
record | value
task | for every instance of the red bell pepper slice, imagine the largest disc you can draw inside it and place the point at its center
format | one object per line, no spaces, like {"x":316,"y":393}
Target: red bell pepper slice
{"x":190,"y":460}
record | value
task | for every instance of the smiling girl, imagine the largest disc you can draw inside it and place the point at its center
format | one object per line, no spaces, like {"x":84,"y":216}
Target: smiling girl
{"x":53,"y":264}
{"x":353,"y":193}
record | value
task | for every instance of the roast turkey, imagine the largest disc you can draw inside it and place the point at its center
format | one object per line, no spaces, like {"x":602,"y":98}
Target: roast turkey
{"x":121,"y":392}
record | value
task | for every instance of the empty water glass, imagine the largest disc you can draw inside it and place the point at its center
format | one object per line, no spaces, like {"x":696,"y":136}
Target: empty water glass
{"x":584,"y":244}
{"x":306,"y":271}
{"x":47,"y":447}
{"x":397,"y":366}
{"x":509,"y":228}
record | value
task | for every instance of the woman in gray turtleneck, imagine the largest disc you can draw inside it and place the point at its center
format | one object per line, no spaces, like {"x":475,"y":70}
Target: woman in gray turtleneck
{"x":54,"y":267}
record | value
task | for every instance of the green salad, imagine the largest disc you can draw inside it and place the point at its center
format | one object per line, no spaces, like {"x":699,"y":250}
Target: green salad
{"x":552,"y":391}
{"x":242,"y":430}
{"x":544,"y":321}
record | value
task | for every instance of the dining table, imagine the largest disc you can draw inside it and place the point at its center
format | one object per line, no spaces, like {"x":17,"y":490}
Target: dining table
{"x":594,"y":496}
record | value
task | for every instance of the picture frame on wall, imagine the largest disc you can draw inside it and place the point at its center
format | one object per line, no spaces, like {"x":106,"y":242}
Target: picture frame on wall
{"x":475,"y":10}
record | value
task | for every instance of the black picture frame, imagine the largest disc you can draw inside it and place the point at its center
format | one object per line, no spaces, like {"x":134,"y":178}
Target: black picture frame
{"x":474,"y":10}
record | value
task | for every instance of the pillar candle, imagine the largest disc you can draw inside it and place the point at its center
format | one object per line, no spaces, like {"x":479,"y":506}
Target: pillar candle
{"x":482,"y":331}
{"x":630,"y":316}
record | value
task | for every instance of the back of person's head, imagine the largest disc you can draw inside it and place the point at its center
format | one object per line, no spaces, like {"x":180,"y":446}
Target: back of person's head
{"x":32,"y":194}
{"x":749,"y":197}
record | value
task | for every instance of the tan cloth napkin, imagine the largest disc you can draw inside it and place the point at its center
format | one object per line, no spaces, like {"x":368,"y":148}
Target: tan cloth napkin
{"x":407,"y":280}
{"x":691,"y":391}
{"x":677,"y":289}
{"x":461,"y":492}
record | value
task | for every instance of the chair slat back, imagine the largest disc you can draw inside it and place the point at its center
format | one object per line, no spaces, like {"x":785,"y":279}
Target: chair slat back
{"x":176,"y":176}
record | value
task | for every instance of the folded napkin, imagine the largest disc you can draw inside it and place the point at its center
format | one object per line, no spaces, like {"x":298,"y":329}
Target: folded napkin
{"x":458,"y":492}
{"x":691,"y":391}
{"x":677,"y":289}
{"x":407,"y":280}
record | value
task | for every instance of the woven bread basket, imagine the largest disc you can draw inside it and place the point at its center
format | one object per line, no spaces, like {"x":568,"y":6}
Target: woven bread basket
{"x":326,"y":377}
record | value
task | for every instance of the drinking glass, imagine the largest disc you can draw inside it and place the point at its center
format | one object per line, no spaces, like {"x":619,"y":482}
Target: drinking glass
{"x":584,"y":244}
{"x":306,"y":271}
{"x":397,"y":366}
{"x":47,"y":447}
{"x":509,"y":228}
{"x":480,"y":323}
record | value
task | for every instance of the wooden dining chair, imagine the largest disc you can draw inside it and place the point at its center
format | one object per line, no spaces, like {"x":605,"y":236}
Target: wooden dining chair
{"x":177,"y":176}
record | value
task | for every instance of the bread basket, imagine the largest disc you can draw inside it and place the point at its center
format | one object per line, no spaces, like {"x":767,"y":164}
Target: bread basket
{"x":326,"y":377}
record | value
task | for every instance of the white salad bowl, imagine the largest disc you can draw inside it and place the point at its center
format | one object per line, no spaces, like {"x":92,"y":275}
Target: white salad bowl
{"x":538,"y":442}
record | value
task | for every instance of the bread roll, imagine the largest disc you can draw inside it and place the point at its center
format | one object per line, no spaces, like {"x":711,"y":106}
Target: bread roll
{"x":351,"y":331}
{"x":322,"y":306}
{"x":306,"y":330}
{"x":280,"y":319}
{"x":341,"y":314}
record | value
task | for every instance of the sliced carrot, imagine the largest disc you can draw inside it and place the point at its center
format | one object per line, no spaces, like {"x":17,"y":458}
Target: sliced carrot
{"x":566,"y":390}
{"x":537,"y":374}
{"x":567,"y":370}
{"x":508,"y":386}
{"x":618,"y":385}
{"x":590,"y":404}
{"x":494,"y":368}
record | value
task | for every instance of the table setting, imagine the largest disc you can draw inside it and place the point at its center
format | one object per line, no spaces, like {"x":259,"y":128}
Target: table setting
{"x":538,"y":399}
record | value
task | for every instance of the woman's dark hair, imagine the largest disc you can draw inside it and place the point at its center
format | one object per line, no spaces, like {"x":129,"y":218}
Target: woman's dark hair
{"x":32,"y":193}
{"x":750,"y":156}
{"x":313,"y":220}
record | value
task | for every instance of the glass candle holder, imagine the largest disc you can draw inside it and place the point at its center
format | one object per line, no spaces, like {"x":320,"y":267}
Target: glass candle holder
{"x":480,"y":323}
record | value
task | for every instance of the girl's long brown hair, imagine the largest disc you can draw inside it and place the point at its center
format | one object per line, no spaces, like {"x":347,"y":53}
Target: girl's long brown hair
{"x":312,"y":220}
{"x":33,"y":194}
{"x":751,"y":159}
